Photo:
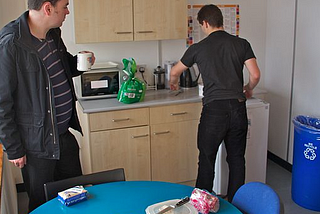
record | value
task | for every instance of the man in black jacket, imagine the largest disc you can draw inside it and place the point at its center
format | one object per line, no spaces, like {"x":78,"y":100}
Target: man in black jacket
{"x":37,"y":99}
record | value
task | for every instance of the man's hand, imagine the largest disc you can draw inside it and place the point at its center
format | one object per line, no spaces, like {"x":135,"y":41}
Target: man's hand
{"x":174,"y":86}
{"x":93,"y":59}
{"x":175,"y":73}
{"x":20,"y":162}
{"x":247,"y":92}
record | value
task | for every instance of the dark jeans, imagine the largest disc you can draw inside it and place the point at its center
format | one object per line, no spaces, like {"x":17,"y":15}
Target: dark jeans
{"x":39,"y":171}
{"x":222,"y":120}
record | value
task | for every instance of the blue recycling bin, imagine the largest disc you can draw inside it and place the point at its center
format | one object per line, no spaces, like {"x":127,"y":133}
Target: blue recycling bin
{"x":305,"y":189}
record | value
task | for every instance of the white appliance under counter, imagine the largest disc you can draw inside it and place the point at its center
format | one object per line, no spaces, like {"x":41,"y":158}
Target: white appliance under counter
{"x":256,"y":151}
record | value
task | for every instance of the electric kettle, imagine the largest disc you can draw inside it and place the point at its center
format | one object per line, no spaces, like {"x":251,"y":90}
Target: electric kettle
{"x":189,"y":78}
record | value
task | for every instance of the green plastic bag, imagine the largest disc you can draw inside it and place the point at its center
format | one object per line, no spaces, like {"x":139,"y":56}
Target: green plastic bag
{"x":133,"y":89}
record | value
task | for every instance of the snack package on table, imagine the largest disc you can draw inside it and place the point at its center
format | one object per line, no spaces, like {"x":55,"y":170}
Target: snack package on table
{"x":72,"y":195}
{"x":204,"y":202}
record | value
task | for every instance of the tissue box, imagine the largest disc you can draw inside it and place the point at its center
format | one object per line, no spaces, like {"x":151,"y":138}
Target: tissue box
{"x":204,"y":202}
{"x":72,"y":195}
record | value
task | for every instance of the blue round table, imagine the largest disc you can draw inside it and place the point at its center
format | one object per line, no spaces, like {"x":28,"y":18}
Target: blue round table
{"x":126,"y":197}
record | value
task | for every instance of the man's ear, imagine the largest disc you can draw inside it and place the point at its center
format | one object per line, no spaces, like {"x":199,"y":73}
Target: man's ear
{"x":47,"y":8}
{"x":206,"y":24}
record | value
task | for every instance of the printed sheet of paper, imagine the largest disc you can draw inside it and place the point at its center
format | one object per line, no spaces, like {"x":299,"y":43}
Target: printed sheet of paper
{"x":231,"y":20}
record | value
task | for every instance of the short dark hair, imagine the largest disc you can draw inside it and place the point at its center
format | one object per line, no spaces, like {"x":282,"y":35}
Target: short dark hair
{"x":36,"y":4}
{"x":211,"y":14}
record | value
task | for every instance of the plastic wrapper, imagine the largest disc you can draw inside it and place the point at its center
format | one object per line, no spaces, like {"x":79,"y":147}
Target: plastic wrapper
{"x":133,"y":89}
{"x":204,"y":202}
{"x":308,"y":123}
{"x":72,"y":195}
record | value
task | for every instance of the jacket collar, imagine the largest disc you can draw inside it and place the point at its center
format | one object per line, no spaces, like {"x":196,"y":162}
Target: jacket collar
{"x":24,"y":35}
{"x":21,"y":31}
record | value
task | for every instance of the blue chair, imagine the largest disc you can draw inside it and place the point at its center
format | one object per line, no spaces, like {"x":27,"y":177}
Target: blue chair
{"x":256,"y":198}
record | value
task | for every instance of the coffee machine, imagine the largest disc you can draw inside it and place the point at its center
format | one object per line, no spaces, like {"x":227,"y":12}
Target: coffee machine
{"x":159,"y":78}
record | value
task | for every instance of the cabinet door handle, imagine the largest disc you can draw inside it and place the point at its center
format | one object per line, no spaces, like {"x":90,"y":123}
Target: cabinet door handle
{"x":139,"y":136}
{"x":146,"y":31}
{"x":119,"y":120}
{"x":158,"y":133}
{"x":125,"y":32}
{"x":179,"y":113}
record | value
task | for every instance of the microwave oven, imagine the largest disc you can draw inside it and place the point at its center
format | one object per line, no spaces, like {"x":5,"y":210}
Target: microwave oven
{"x":102,"y":81}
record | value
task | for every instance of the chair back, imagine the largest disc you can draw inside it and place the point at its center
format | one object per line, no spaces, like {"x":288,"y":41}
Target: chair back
{"x":51,"y":189}
{"x":256,"y":198}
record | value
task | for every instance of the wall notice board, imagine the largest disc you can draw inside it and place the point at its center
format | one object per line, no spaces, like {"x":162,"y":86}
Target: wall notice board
{"x":231,"y":20}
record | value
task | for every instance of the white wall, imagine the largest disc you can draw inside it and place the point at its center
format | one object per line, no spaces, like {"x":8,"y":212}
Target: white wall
{"x":292,"y":62}
{"x":279,"y":68}
{"x":306,"y":99}
{"x":10,"y":10}
{"x":153,"y":53}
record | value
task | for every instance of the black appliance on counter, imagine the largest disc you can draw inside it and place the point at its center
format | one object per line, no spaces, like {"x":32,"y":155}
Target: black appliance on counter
{"x":159,"y":75}
{"x":102,"y":81}
{"x":189,"y":78}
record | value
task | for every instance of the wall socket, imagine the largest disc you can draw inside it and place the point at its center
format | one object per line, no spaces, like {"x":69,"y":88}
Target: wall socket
{"x":141,"y":68}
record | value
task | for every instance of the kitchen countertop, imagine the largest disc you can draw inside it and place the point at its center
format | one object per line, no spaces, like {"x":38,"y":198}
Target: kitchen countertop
{"x":152,"y":98}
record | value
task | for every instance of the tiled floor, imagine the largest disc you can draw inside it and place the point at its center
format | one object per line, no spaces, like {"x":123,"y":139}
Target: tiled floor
{"x":277,"y":177}
{"x":280,"y":180}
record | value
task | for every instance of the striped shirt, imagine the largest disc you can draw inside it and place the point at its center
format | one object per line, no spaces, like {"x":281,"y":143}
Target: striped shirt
{"x":61,"y":88}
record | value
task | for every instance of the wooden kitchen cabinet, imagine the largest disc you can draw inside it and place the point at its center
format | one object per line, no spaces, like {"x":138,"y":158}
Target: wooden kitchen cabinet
{"x":175,"y":113}
{"x":116,"y":139}
{"x":103,"y":21}
{"x":129,"y":20}
{"x":174,"y":153}
{"x":122,"y":148}
{"x":151,"y":143}
{"x":119,"y":119}
{"x":160,"y":19}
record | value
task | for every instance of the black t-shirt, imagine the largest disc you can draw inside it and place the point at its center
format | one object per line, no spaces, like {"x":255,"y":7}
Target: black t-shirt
{"x":220,"y":58}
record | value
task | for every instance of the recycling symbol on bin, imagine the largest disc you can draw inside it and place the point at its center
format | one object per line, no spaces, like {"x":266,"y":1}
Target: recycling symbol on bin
{"x":310,"y":154}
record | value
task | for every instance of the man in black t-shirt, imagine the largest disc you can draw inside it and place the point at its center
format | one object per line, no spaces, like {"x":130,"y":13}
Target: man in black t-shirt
{"x":220,"y":58}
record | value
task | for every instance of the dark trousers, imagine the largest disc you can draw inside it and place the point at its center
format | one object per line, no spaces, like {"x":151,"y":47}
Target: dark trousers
{"x":222,"y":120}
{"x":39,"y":171}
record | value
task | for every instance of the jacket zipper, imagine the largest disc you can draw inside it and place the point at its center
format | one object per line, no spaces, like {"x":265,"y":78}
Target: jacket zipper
{"x":51,"y":105}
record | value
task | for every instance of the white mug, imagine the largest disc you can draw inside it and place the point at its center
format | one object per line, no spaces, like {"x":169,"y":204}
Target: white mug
{"x":84,"y":61}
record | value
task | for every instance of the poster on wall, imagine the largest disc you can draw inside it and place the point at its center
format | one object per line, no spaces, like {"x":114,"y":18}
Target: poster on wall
{"x":231,"y":20}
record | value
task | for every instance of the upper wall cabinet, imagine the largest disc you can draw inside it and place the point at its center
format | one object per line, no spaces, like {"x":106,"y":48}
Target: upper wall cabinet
{"x":103,"y":20}
{"x":160,"y":19}
{"x":129,"y":20}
